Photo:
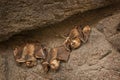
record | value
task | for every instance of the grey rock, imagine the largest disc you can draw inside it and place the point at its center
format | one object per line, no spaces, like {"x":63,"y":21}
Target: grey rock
{"x":3,"y":68}
{"x":20,"y":15}
{"x":95,"y":60}
{"x":110,"y":26}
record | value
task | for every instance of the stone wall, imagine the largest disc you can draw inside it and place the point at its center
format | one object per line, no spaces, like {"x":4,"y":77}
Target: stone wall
{"x":19,"y":15}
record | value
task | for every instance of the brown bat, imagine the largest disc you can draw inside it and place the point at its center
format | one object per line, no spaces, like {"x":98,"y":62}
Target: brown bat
{"x":54,"y":57}
{"x":46,"y":62}
{"x":74,"y":38}
{"x":50,"y":61}
{"x":77,"y":36}
{"x":28,"y":53}
{"x":18,"y":54}
{"x":86,"y":32}
{"x":25,"y":54}
{"x":58,"y":54}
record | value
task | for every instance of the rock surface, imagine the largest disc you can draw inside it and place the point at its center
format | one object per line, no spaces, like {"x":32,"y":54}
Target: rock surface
{"x":16,"y":16}
{"x":95,"y":60}
{"x":3,"y":68}
{"x":111,"y":28}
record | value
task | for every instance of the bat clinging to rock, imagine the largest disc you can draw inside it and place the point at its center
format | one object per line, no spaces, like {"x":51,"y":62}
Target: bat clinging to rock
{"x":74,"y":38}
{"x":58,"y":54}
{"x":18,"y":54}
{"x":77,"y":36}
{"x":25,"y":54}
{"x":51,"y":61}
{"x":29,"y":53}
{"x":54,"y":57}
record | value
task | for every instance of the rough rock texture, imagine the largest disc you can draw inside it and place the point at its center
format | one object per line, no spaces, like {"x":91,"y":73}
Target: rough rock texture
{"x":2,"y":68}
{"x":111,"y":28}
{"x":19,"y":15}
{"x":95,"y":60}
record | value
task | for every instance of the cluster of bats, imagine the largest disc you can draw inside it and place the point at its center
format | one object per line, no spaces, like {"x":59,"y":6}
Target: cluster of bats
{"x":29,"y":53}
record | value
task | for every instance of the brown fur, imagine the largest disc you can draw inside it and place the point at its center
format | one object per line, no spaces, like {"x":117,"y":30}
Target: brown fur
{"x":46,"y":62}
{"x":75,"y":43}
{"x":25,"y":54}
{"x":74,"y":38}
{"x":54,"y":63}
{"x":86,"y":31}
{"x":17,"y":53}
{"x":28,"y":52}
{"x":51,"y":61}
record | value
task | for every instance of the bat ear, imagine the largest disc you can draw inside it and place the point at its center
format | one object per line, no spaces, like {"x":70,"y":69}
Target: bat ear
{"x":15,"y":52}
{"x":76,"y":26}
{"x":79,"y":28}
